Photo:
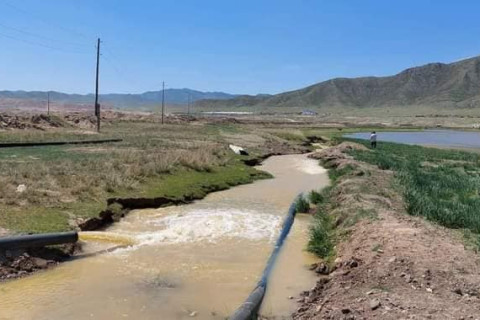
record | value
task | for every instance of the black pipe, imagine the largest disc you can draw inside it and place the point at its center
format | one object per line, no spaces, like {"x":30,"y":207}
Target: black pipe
{"x":249,"y":309}
{"x":54,"y":143}
{"x":37,"y":240}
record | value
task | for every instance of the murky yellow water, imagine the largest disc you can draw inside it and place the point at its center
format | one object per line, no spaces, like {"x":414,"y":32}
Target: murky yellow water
{"x":109,"y":237}
{"x":199,"y":260}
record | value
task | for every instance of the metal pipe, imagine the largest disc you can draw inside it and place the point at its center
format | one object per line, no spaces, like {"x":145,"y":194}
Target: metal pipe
{"x":37,"y":240}
{"x":54,"y":143}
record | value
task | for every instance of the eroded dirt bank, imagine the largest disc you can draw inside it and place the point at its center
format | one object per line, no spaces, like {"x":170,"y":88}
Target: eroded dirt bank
{"x":389,"y":265}
{"x":19,"y":263}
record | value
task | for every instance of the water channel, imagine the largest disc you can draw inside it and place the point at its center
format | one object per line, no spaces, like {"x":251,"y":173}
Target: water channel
{"x":193,"y":261}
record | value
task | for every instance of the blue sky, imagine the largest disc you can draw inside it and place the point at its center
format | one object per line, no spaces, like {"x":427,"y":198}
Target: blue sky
{"x":243,"y":46}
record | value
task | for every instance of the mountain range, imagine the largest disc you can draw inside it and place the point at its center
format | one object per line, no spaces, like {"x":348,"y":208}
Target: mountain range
{"x":119,"y":100}
{"x":454,"y":85}
{"x":438,"y":85}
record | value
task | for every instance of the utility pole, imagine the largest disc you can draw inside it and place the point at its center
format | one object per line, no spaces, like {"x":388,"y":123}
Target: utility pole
{"x":163,"y":100}
{"x":97,"y":105}
{"x":188,"y":108}
{"x":48,"y":103}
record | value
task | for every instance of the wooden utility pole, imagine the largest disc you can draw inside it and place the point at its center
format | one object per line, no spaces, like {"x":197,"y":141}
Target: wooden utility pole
{"x":97,"y":105}
{"x":163,"y":100}
{"x":188,"y":108}
{"x":48,"y":103}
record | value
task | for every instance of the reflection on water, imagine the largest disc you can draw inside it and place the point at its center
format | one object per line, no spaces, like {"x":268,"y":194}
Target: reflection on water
{"x":440,"y":138}
{"x":198,"y":260}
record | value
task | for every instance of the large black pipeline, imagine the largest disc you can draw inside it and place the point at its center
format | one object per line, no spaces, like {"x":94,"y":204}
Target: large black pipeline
{"x":37,"y":240}
{"x":249,"y":309}
{"x":54,"y":143}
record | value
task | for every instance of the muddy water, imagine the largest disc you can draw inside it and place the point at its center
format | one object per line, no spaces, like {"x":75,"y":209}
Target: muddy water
{"x":199,"y":260}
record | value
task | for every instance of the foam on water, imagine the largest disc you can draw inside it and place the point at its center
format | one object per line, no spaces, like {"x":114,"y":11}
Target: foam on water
{"x":310,"y":166}
{"x":210,"y":225}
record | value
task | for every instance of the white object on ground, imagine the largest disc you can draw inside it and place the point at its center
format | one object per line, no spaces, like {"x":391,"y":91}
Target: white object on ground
{"x":238,"y":150}
{"x":21,"y":188}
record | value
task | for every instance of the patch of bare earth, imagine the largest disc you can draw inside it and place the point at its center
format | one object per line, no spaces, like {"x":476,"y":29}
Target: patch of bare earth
{"x":20,"y":263}
{"x":389,"y":265}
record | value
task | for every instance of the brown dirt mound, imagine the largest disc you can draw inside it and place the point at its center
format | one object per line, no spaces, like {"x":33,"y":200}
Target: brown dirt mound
{"x":25,"y":121}
{"x":82,"y":120}
{"x":336,"y":157}
{"x":13,"y":122}
{"x":17,"y":264}
{"x":46,"y":120}
{"x":391,"y":265}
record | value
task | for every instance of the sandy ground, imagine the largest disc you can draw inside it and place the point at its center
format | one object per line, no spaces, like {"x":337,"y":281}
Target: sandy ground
{"x":391,"y":266}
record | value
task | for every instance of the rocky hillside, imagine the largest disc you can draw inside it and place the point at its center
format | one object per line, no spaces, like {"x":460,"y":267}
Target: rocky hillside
{"x":436,"y":84}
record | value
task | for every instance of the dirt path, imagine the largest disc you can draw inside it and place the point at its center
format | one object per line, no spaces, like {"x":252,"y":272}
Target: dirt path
{"x":391,"y":265}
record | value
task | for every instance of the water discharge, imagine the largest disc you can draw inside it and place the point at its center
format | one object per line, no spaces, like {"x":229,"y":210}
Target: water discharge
{"x":108,"y":237}
{"x":200,"y":260}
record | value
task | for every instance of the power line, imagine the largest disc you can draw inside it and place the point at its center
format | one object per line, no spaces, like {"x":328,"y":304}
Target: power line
{"x":35,"y":43}
{"x":40,"y":36}
{"x":118,"y":71}
{"x":109,"y":57}
{"x":114,"y":61}
{"x":9,"y":4}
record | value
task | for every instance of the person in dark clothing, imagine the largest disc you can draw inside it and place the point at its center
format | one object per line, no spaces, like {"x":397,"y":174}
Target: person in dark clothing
{"x":373,"y":139}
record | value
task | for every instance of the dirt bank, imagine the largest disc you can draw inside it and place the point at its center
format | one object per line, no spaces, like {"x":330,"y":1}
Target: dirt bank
{"x":20,"y":263}
{"x":389,"y":265}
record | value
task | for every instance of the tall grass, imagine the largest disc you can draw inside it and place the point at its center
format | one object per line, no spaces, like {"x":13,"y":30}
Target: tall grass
{"x":58,"y":174}
{"x":441,"y":185}
{"x":322,"y":235}
{"x":302,"y":205}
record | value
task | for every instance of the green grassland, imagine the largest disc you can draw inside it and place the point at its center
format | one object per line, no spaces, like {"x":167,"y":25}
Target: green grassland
{"x":440,"y":185}
{"x":183,"y":160}
{"x":67,"y":182}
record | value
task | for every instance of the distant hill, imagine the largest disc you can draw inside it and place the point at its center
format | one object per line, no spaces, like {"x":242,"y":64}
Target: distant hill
{"x":118,"y":100}
{"x":454,"y":85}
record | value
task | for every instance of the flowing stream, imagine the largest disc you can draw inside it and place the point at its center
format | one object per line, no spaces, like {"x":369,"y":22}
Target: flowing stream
{"x":193,"y":261}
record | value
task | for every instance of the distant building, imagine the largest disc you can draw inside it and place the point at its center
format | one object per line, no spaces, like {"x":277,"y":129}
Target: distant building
{"x":309,"y":113}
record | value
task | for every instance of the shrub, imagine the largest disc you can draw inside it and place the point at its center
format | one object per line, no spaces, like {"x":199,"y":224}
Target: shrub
{"x":302,"y":205}
{"x":316,"y":197}
{"x":321,"y":236}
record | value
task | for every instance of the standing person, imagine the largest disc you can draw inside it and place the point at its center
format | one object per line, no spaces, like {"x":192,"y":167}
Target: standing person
{"x":373,"y":139}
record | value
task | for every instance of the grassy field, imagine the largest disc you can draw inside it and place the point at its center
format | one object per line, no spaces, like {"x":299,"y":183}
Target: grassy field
{"x":64,"y":183}
{"x":440,"y":185}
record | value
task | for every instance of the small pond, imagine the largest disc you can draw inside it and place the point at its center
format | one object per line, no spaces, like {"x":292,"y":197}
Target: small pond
{"x":439,"y":138}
